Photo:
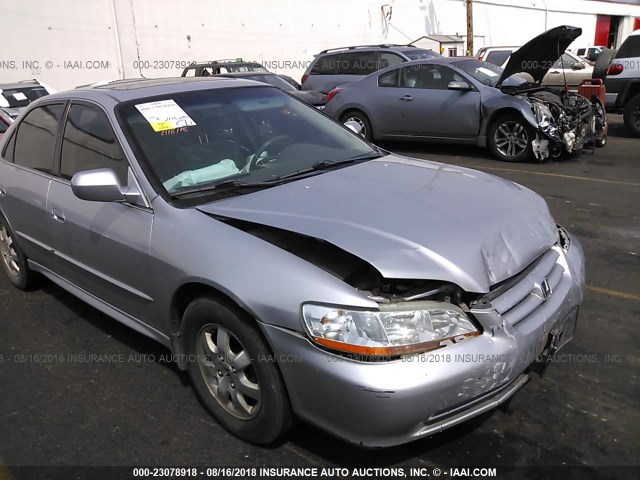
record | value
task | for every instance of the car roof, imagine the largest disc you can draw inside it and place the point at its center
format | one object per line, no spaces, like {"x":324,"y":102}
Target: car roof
{"x":244,"y":74}
{"x":365,"y":48}
{"x":21,"y":84}
{"x":131,"y":89}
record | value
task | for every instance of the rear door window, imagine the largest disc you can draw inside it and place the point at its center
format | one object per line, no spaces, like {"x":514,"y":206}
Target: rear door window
{"x":389,"y":79}
{"x":326,"y":65}
{"x":36,"y":138}
{"x":498,"y":57}
{"x":89,"y":143}
{"x":358,"y":63}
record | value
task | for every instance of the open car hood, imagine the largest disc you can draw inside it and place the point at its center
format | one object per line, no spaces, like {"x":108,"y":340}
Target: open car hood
{"x":410,"y":219}
{"x":537,"y":56}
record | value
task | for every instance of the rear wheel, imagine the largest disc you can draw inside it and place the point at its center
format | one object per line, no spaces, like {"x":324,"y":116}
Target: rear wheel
{"x":632,"y":115}
{"x":510,"y":137}
{"x":13,"y":261}
{"x":361,"y":119}
{"x":234,"y":373}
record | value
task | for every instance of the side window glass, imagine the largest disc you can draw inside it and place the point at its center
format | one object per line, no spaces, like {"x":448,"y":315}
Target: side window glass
{"x":434,"y":77}
{"x":565,"y":61}
{"x":89,"y":143}
{"x":358,"y":63}
{"x":389,"y":79}
{"x":36,"y":138}
{"x":498,"y":57}
{"x":326,"y":65}
{"x":388,"y":59}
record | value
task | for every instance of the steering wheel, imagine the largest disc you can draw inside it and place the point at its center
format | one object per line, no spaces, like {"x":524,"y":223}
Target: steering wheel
{"x":256,"y":160}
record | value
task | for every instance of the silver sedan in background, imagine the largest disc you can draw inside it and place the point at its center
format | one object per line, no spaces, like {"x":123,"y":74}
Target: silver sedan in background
{"x":464,"y":100}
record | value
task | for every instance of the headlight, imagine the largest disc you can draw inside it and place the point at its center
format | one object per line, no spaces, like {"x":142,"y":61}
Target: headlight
{"x":543,"y":114}
{"x":395,"y":329}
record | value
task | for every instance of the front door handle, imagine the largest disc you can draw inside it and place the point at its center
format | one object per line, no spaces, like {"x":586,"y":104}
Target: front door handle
{"x":554,"y":72}
{"x":57,"y":216}
{"x":406,"y":98}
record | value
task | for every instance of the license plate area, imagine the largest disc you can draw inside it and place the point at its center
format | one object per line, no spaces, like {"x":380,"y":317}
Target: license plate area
{"x":559,"y":336}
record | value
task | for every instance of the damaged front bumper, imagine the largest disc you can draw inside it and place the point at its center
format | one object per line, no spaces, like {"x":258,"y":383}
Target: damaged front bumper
{"x":388,"y":403}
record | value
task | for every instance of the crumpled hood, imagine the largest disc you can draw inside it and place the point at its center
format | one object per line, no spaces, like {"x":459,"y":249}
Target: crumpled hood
{"x":411,"y":219}
{"x":537,"y":56}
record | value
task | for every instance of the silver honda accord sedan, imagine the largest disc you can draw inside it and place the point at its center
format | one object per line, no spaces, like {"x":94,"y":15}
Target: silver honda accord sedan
{"x":293,"y":268}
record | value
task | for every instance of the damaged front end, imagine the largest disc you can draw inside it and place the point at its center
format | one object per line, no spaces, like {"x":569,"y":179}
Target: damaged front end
{"x":567,"y":122}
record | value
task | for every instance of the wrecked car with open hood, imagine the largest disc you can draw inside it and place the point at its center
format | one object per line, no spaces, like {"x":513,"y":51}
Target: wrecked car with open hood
{"x":566,"y":121}
{"x":468,"y":101}
{"x":291,"y":267}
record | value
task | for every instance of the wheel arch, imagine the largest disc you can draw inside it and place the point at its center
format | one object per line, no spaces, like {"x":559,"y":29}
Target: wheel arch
{"x":190,"y":291}
{"x":506,"y":111}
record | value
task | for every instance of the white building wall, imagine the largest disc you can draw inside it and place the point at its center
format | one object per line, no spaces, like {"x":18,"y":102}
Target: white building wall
{"x":66,"y":43}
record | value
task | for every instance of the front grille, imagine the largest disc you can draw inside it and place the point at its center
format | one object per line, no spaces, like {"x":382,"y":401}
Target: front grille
{"x":522,"y":295}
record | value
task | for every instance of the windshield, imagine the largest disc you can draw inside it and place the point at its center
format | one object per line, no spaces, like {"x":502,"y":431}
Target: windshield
{"x":251,"y":135}
{"x":274,"y":80}
{"x":487,"y":73}
{"x":23,"y":96}
{"x":420,"y":54}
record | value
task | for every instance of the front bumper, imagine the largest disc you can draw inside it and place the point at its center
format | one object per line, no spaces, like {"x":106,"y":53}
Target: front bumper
{"x":390,"y":403}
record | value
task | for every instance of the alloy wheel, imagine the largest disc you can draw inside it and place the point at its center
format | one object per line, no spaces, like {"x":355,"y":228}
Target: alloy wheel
{"x":8,"y":252}
{"x":359,"y":121}
{"x":228,"y":371}
{"x":511,"y":139}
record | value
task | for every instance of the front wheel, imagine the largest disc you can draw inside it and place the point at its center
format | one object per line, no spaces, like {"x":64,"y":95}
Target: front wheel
{"x":632,"y":116}
{"x":510,"y":138}
{"x":234,"y":373}
{"x":13,"y":261}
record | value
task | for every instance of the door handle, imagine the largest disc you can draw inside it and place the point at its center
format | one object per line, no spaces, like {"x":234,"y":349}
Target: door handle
{"x":554,"y":72}
{"x":406,"y":98}
{"x":57,"y":216}
{"x":3,"y":192}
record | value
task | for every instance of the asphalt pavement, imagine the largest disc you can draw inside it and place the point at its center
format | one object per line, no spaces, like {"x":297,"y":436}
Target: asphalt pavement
{"x":128,"y":405}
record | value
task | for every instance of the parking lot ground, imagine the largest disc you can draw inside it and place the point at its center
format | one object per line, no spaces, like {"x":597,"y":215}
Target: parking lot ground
{"x":584,"y":411}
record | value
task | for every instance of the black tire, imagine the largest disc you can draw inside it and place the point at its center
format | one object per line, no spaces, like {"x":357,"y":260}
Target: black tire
{"x":601,"y":142}
{"x":632,"y":115}
{"x":268,"y":418}
{"x":361,"y":118}
{"x":519,"y":127}
{"x":12,"y":258}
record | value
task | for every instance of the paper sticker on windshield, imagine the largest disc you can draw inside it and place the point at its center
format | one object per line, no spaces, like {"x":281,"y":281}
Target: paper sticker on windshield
{"x":19,"y":96}
{"x":165,"y":115}
{"x":487,"y":72}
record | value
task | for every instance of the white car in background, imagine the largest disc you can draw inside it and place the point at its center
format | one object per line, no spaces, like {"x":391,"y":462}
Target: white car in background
{"x":568,"y":68}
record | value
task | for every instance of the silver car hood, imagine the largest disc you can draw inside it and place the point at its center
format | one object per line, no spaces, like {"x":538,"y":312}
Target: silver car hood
{"x":411,"y":219}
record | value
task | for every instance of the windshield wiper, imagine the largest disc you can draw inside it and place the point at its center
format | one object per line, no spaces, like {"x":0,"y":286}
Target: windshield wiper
{"x":325,"y":164}
{"x":229,"y":185}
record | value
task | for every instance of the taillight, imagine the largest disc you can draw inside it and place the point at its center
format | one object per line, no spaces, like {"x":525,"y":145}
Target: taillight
{"x":304,"y":78}
{"x":332,"y":94}
{"x":615,"y":69}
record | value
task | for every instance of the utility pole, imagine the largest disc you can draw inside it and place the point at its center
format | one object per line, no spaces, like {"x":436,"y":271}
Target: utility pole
{"x":470,"y":28}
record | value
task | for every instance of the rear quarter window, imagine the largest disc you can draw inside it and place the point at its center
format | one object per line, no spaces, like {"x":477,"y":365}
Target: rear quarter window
{"x":630,"y":48}
{"x":498,"y":57}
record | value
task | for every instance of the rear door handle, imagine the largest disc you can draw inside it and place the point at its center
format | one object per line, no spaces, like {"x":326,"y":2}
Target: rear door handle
{"x":406,"y":98}
{"x":57,"y":216}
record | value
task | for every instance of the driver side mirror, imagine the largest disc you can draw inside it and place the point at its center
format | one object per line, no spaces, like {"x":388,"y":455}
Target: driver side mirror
{"x":355,"y":127}
{"x":458,"y":85}
{"x":101,"y":185}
